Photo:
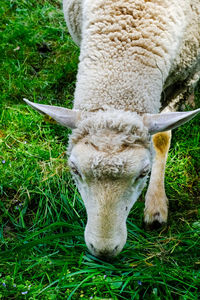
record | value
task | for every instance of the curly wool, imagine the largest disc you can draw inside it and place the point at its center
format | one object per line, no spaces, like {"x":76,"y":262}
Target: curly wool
{"x":110,"y":131}
{"x":132,"y":51}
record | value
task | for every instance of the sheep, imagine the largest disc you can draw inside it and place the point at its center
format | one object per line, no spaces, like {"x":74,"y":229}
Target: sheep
{"x":136,"y":58}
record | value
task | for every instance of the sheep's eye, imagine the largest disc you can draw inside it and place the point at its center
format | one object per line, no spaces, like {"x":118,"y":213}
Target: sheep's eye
{"x":75,"y":170}
{"x":143,"y":174}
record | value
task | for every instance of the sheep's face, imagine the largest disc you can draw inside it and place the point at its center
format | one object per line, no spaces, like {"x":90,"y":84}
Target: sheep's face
{"x":110,"y":177}
{"x":110,"y":158}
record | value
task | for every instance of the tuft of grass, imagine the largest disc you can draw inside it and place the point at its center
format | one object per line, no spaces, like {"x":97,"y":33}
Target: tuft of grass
{"x":42,"y":219}
{"x":38,"y":57}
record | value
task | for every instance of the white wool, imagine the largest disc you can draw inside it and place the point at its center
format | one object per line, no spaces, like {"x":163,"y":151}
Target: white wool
{"x":110,"y":130}
{"x":132,"y":51}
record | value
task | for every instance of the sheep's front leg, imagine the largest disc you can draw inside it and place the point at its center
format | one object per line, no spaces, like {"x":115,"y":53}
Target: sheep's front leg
{"x":156,"y":202}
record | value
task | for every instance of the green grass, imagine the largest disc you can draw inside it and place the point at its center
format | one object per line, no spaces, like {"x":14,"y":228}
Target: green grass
{"x":42,"y":218}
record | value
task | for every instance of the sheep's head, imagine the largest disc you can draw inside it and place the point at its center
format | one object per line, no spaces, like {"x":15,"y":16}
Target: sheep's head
{"x":110,"y":158}
{"x":109,"y":155}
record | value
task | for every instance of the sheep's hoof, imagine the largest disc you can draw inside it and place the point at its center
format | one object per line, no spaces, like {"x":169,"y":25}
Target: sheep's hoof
{"x":155,"y":225}
{"x":156,"y":218}
{"x":156,"y":211}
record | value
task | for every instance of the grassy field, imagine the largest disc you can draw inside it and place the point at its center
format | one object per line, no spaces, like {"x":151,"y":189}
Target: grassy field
{"x":42,"y":218}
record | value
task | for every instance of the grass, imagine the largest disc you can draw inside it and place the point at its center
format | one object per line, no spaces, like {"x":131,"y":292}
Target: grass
{"x":42,"y":219}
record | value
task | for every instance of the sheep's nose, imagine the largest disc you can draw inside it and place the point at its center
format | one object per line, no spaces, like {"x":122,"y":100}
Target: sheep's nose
{"x":106,"y":246}
{"x":104,"y":253}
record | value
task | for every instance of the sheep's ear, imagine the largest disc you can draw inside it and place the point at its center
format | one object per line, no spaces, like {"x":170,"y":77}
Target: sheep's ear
{"x":167,"y":121}
{"x":63,"y":116}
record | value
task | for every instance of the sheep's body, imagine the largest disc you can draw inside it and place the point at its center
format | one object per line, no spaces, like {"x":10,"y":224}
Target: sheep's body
{"x":132,"y":51}
{"x":137,"y":57}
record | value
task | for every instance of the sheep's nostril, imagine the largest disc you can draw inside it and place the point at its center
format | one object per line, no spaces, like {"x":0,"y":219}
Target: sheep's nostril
{"x":91,"y":245}
{"x":116,"y":248}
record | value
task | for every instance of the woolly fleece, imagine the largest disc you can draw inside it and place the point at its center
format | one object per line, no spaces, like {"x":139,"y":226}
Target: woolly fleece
{"x":133,"y":51}
{"x":110,"y":131}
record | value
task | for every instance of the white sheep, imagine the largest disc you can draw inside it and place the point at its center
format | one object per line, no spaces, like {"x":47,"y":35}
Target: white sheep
{"x":136,"y":57}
